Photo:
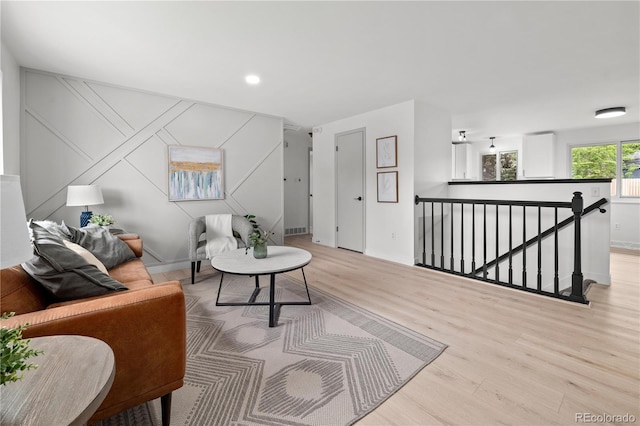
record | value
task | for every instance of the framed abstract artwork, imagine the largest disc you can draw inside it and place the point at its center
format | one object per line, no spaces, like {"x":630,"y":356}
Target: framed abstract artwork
{"x":387,"y":187}
{"x":195,"y":173}
{"x":387,"y":152}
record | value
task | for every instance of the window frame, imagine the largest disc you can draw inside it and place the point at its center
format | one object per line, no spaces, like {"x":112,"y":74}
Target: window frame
{"x":618,"y":179}
{"x":498,"y":164}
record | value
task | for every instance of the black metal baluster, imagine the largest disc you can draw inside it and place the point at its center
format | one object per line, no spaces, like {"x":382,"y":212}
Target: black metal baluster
{"x":451,"y":220}
{"x":539,"y":248}
{"x":497,"y":275}
{"x":473,"y":238}
{"x":524,"y":247}
{"x":484,"y":242}
{"x":556,"y":278}
{"x":510,"y":246}
{"x":424,"y":234}
{"x":462,"y":238}
{"x":442,"y":235}
{"x":433,"y":243}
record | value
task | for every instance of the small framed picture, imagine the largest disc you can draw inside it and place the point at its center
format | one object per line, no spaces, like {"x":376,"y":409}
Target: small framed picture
{"x":387,"y":152}
{"x":387,"y":187}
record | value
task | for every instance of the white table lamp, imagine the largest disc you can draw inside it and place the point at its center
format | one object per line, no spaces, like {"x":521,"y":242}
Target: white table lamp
{"x":84,"y":195}
{"x":14,"y":234}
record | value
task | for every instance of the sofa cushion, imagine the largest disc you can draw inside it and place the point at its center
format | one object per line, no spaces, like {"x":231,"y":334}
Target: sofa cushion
{"x":63,"y":273}
{"x":131,"y":271}
{"x":86,"y":254}
{"x":108,"y":248}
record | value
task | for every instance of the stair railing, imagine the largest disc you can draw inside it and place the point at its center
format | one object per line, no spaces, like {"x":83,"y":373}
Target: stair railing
{"x":489,"y":270}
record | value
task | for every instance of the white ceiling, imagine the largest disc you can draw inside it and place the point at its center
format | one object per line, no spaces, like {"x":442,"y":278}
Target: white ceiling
{"x":500,"y":68}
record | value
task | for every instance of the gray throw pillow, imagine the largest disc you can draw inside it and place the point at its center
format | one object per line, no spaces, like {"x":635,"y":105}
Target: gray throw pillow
{"x":109,"y":249}
{"x":63,"y":273}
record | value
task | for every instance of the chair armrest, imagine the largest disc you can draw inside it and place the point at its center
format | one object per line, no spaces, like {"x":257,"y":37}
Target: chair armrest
{"x":146,"y":329}
{"x":197,"y":227}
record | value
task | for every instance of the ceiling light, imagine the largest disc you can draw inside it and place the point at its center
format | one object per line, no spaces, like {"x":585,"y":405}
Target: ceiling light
{"x":462,"y":136}
{"x":252,"y":79}
{"x":611,"y":112}
{"x":492,"y":148}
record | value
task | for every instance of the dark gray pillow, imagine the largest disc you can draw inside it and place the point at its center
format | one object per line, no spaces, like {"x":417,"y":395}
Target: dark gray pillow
{"x":64,"y":273}
{"x":109,"y":249}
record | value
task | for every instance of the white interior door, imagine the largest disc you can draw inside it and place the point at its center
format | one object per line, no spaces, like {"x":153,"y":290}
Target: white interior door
{"x":350,"y":190}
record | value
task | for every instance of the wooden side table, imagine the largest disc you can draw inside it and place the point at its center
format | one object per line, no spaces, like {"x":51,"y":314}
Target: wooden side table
{"x":73,"y":377}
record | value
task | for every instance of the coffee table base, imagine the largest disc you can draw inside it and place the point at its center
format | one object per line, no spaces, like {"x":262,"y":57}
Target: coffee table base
{"x":274,"y":307}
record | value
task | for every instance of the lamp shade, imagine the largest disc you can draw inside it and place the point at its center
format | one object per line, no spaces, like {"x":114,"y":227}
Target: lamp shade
{"x":84,"y":195}
{"x":14,"y":234}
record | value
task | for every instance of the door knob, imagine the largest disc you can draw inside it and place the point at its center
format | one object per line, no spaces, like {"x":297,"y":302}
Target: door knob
{"x":358,"y":198}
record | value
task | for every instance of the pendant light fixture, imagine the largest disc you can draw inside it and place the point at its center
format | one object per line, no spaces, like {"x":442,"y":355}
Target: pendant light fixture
{"x":611,"y":112}
{"x":492,"y":148}
{"x":462,"y":137}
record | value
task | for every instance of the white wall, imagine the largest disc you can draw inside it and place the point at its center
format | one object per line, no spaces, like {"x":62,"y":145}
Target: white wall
{"x":10,"y":150}
{"x":432,"y":161}
{"x":84,"y":132}
{"x":624,"y":212}
{"x":296,"y":184}
{"x":423,"y":135}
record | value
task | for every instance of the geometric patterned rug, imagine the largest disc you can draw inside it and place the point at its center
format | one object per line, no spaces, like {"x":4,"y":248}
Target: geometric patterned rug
{"x":329,"y":363}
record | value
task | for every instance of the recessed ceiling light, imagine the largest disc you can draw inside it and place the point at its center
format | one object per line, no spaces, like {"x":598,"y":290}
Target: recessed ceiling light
{"x":252,"y":79}
{"x":611,"y":112}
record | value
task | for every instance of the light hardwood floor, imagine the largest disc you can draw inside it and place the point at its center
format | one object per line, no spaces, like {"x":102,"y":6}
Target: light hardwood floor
{"x":512,"y":358}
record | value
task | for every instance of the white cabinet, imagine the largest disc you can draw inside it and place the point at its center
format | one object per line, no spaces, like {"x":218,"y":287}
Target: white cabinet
{"x":538,"y":156}
{"x":460,"y":164}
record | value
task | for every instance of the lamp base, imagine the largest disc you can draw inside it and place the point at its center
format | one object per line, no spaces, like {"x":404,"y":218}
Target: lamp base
{"x":84,"y":218}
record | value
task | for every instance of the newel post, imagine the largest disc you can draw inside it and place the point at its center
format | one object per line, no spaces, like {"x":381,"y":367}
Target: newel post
{"x":577,"y":294}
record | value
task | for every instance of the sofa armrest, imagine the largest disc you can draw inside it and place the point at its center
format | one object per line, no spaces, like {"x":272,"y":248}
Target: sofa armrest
{"x":134,"y":242}
{"x":146,"y":329}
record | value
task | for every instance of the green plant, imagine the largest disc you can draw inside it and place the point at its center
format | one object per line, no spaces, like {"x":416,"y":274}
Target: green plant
{"x":258,"y":236}
{"x":251,"y":219}
{"x":102,"y":219}
{"x":14,"y":353}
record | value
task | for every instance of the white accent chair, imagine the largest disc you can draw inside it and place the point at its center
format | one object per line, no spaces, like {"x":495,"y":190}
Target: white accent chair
{"x":240,"y":225}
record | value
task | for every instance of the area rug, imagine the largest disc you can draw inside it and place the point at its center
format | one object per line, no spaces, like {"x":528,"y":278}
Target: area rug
{"x":329,"y":363}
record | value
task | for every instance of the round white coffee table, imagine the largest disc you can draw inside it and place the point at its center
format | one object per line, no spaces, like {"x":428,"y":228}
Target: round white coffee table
{"x":279,"y":259}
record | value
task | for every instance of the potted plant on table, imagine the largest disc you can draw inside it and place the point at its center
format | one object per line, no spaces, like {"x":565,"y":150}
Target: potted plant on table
{"x":102,"y":219}
{"x":14,"y":352}
{"x":257,"y":239}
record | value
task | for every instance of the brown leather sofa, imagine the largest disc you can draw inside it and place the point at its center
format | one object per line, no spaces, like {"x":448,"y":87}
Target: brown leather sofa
{"x":145,"y":327}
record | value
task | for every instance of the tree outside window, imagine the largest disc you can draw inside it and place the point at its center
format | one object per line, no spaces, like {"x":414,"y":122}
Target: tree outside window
{"x":509,"y":165}
{"x":506,"y":169}
{"x":618,"y":161}
{"x":489,"y":167}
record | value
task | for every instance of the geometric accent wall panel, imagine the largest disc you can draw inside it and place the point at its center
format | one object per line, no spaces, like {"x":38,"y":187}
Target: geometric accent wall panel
{"x":46,"y":151}
{"x":207,"y":125}
{"x":85,"y":132}
{"x":70,"y":115}
{"x":154,"y":171}
{"x":136,"y":108}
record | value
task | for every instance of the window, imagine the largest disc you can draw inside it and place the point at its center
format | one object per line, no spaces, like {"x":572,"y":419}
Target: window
{"x":630,"y":173}
{"x":509,"y":165}
{"x":506,"y":169}
{"x":618,"y":161}
{"x":489,"y":167}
